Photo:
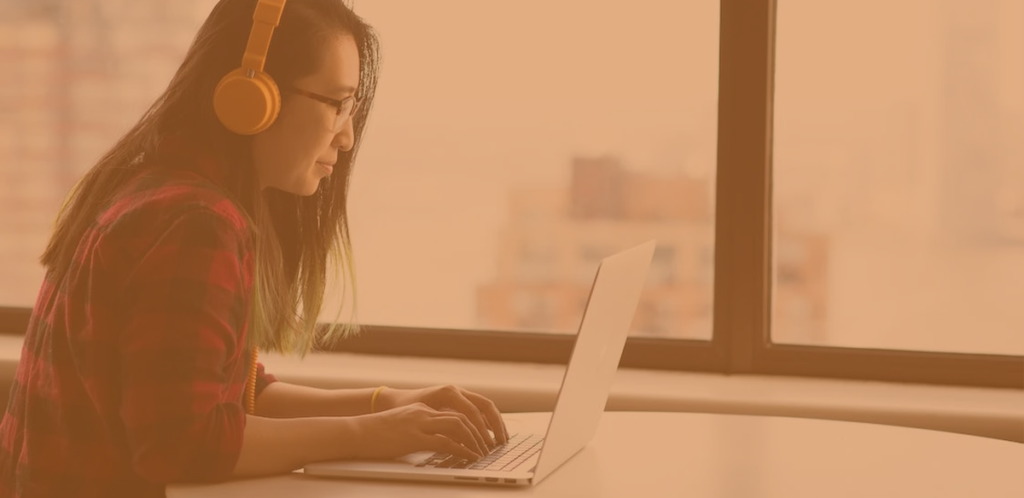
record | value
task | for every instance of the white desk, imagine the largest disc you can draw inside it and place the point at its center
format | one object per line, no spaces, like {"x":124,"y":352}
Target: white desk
{"x":652,"y":454}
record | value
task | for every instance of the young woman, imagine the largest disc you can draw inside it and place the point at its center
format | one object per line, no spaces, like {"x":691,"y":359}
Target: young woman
{"x":186,"y":250}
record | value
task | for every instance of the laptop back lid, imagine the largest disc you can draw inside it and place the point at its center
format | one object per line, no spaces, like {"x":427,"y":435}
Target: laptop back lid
{"x":600,"y":339}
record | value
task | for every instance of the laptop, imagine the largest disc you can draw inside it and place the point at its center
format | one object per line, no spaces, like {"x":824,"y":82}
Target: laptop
{"x":534,"y":452}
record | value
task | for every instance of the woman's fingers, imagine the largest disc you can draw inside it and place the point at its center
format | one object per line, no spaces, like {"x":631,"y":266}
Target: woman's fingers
{"x":473,"y":417}
{"x":456,"y":427}
{"x":480,"y":444}
{"x":489,"y":412}
{"x":482,"y":413}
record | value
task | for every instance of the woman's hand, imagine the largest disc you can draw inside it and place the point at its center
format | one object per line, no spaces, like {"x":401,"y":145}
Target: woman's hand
{"x":416,"y":427}
{"x":481,"y":412}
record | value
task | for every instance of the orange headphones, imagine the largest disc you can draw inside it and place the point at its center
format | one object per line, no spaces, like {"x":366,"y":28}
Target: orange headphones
{"x":247,"y":100}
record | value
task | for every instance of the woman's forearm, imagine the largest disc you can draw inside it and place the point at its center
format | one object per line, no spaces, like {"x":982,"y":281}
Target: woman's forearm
{"x":278,"y":446}
{"x":283,"y":400}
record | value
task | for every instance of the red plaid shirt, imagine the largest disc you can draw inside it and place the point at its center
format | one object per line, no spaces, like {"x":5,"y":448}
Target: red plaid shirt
{"x":133,"y":369}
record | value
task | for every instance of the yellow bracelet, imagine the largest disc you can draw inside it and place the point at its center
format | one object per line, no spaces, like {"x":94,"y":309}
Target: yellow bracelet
{"x":373,"y":400}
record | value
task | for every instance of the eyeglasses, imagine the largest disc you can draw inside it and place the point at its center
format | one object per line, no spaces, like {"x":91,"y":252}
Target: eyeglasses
{"x":345,"y":108}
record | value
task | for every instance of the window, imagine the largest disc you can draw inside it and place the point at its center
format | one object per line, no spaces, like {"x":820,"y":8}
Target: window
{"x":74,"y":76}
{"x":898,"y":175}
{"x":531,"y":155}
{"x":818,"y":192}
{"x":557,"y":142}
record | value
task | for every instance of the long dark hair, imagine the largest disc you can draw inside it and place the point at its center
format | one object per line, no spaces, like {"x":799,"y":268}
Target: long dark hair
{"x":296,"y":238}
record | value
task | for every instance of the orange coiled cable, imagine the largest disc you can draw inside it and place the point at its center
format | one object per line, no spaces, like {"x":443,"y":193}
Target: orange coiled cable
{"x":250,"y":385}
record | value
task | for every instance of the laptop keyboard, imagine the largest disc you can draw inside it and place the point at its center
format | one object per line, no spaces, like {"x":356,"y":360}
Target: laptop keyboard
{"x":506,"y":457}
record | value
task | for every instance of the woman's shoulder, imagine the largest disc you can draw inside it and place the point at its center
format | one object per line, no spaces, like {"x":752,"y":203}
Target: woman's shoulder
{"x":170,"y":227}
{"x":156,"y":197}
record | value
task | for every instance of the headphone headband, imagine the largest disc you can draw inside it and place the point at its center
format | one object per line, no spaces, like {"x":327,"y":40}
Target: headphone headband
{"x":265,"y":19}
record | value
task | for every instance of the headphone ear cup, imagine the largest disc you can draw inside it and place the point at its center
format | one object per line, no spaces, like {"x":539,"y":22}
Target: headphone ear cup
{"x":245,"y":105}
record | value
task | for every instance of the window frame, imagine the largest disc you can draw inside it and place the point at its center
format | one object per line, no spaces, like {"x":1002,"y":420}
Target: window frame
{"x":741,"y":342}
{"x":743,"y":235}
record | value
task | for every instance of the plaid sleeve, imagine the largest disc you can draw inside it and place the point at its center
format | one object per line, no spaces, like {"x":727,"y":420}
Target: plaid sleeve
{"x":185,"y":303}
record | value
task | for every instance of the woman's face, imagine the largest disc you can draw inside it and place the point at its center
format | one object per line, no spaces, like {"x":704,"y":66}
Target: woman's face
{"x":301,"y":147}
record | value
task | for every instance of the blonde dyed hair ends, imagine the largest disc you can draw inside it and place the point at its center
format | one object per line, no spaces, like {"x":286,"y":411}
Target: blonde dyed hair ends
{"x":284,"y":318}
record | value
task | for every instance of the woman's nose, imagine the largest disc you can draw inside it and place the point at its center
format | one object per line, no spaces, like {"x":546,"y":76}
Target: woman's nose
{"x":345,"y":139}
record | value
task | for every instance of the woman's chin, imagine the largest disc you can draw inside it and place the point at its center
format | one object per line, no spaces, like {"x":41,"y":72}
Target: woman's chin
{"x":310,"y":189}
{"x":305,"y":189}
